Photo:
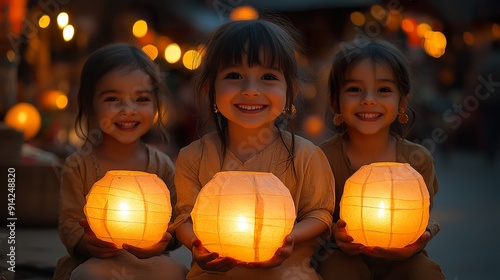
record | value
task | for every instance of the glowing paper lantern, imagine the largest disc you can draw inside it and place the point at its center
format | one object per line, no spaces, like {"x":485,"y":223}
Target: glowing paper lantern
{"x":24,"y":117}
{"x":243,"y":215}
{"x":385,"y":204}
{"x":129,"y":207}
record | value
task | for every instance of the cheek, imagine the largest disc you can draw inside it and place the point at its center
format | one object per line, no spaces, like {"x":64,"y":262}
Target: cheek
{"x":106,"y":125}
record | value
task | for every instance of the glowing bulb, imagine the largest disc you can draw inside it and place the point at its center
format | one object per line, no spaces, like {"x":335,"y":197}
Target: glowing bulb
{"x":242,"y":223}
{"x":124,"y":210}
{"x":382,"y":210}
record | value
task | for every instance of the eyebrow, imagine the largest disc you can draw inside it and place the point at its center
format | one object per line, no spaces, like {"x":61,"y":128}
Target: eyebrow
{"x":140,"y":91}
{"x":255,"y":65}
{"x":378,"y":80}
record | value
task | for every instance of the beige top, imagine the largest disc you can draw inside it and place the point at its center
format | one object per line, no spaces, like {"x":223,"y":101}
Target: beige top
{"x":311,"y":189}
{"x":406,"y":152}
{"x":78,"y":176}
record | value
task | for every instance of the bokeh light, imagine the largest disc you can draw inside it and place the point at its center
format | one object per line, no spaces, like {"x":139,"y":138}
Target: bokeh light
{"x":172,"y":53}
{"x":151,"y":51}
{"x":357,"y":18}
{"x":44,"y":21}
{"x":191,"y":59}
{"x":68,"y":33}
{"x":244,"y":13}
{"x":62,"y":20}
{"x":140,"y":28}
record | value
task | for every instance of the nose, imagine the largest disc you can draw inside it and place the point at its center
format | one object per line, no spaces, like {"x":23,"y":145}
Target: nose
{"x":368,"y":98}
{"x":128,"y":107}
{"x":251,"y":88}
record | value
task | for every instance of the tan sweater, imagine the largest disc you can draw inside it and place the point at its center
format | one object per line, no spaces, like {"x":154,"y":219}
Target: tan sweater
{"x":406,"y":152}
{"x":78,"y":176}
{"x":311,"y":190}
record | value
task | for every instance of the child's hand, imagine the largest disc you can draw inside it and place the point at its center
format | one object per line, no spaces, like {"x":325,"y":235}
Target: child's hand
{"x":344,"y":240}
{"x":279,"y":257}
{"x":155,"y":250}
{"x":398,"y":253}
{"x":95,"y":246}
{"x":210,"y":261}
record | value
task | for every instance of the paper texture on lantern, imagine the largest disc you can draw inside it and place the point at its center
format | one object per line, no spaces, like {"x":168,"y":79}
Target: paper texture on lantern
{"x":385,"y":204}
{"x":243,"y":215}
{"x":129,"y":207}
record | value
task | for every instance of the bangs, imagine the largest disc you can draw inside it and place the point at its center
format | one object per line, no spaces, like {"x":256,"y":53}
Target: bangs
{"x":257,"y":45}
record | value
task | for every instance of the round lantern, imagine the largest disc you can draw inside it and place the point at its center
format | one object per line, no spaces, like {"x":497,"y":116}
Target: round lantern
{"x":24,"y":117}
{"x":243,"y":215}
{"x":385,"y":204}
{"x":129,"y":207}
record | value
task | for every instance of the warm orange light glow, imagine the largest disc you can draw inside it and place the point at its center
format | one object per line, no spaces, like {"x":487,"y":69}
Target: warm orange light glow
{"x":408,"y":25}
{"x":378,"y":12}
{"x":130,"y":207}
{"x":151,"y":51}
{"x":385,"y":204}
{"x":44,"y":21}
{"x":243,"y":215}
{"x":469,"y":38}
{"x":495,"y":30}
{"x":422,"y":29}
{"x":435,"y":43}
{"x":172,"y":53}
{"x":244,"y":13}
{"x":68,"y":33}
{"x":357,"y":18}
{"x":140,"y":28}
{"x":314,"y":126}
{"x":62,"y":20}
{"x":53,"y":99}
{"x":191,"y":59}
{"x":24,"y":117}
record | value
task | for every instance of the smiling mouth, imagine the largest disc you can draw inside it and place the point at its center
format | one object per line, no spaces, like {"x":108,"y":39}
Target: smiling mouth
{"x":127,"y":125}
{"x":368,"y":116}
{"x":250,"y":107}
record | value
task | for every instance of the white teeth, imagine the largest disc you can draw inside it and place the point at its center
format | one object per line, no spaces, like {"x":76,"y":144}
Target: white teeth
{"x":127,"y":124}
{"x":368,"y":115}
{"x":250,"y":107}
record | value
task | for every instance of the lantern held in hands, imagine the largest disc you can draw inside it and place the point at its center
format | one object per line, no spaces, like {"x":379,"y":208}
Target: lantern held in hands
{"x":385,"y":204}
{"x":243,"y":215}
{"x":130,"y":207}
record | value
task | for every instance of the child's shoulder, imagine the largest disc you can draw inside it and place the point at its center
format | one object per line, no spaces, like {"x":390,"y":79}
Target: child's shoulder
{"x":209,"y":141}
{"x":413,"y":153}
{"x":332,"y":142}
{"x":158,"y":155}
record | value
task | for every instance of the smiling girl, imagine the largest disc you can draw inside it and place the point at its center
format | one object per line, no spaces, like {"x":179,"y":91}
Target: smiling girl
{"x":247,"y":82}
{"x":120,"y":99}
{"x":369,"y":92}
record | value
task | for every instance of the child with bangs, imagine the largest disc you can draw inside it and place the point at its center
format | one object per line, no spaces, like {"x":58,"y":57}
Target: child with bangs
{"x":248,"y":81}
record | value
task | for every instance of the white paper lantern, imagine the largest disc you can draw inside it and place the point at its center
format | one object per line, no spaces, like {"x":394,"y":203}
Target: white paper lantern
{"x":243,"y":215}
{"x":385,"y":204}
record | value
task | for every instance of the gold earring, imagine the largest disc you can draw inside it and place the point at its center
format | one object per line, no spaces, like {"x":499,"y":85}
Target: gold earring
{"x":337,"y":119}
{"x":216,"y":110}
{"x":402,"y":116}
{"x":292,"y":111}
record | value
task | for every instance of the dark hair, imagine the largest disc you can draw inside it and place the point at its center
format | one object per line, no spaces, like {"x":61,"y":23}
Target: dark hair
{"x":270,"y":41}
{"x":380,"y":52}
{"x":119,"y":56}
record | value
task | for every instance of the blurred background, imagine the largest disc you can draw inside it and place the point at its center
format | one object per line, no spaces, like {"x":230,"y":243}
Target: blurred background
{"x":454,"y":48}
